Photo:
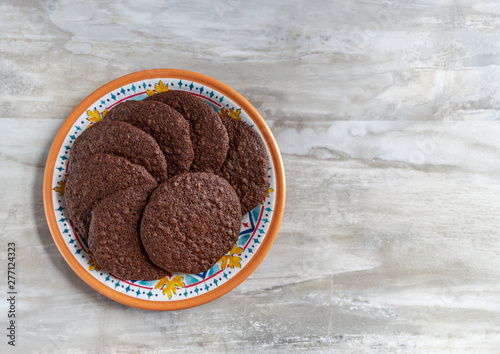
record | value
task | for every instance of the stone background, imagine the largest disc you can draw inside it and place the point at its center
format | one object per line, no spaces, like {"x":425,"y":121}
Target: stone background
{"x":386,"y":113}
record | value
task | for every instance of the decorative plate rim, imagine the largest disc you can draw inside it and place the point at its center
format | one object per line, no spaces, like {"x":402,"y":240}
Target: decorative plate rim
{"x":245,"y":271}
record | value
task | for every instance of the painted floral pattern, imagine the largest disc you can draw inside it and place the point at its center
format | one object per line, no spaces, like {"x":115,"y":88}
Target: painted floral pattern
{"x":170,"y":284}
{"x":233,"y":259}
{"x":232,"y":113}
{"x":61,"y":188}
{"x":159,"y":87}
{"x":95,"y":116}
{"x":92,"y":263}
{"x":268,"y":191}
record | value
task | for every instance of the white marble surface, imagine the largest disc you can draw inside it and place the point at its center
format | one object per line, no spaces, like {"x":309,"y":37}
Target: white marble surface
{"x":386,"y":113}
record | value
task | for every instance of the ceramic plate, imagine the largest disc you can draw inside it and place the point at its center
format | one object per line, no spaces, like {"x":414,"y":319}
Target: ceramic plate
{"x":176,"y":291}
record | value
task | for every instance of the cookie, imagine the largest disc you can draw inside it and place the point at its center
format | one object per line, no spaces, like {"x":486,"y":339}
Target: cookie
{"x":164,"y":124}
{"x":190,"y":222}
{"x":208,"y":134}
{"x":114,"y":235}
{"x":122,"y":139}
{"x":93,"y":179}
{"x":246,"y":164}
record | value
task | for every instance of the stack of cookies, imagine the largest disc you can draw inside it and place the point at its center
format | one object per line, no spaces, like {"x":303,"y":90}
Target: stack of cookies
{"x":160,"y":186}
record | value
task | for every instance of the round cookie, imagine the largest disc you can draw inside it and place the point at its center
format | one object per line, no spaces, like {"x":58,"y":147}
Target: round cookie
{"x":190,"y":222}
{"x":165,"y":125}
{"x":114,"y":235}
{"x":209,"y":137}
{"x":93,"y":179}
{"x":122,"y":139}
{"x":246,"y":164}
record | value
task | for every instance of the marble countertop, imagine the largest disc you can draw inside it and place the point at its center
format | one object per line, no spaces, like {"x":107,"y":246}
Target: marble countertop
{"x":386,"y":114}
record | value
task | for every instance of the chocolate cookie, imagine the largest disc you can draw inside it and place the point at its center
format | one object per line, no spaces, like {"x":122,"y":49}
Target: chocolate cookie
{"x":246,"y":164}
{"x":93,"y":179}
{"x":114,"y":235}
{"x":122,"y":139}
{"x":209,"y":137}
{"x":165,"y":125}
{"x":190,"y":222}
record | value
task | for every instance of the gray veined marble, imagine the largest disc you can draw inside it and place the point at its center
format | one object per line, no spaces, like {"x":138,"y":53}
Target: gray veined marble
{"x":386,"y":113}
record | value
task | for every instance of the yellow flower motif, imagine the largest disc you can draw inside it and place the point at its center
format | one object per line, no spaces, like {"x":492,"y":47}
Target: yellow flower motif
{"x":171,"y":286}
{"x":231,"y":261}
{"x":94,"y":116}
{"x":60,"y":188}
{"x":232,"y":113}
{"x":269,"y":190}
{"x":159,"y":87}
{"x":93,"y":265}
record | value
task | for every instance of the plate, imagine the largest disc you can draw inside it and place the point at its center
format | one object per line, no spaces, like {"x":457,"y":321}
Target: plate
{"x":176,"y":291}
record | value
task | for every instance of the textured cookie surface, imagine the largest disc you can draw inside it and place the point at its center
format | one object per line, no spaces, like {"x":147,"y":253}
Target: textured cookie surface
{"x":246,"y":164}
{"x":208,"y":134}
{"x":122,"y":139}
{"x":165,"y":125}
{"x":114,"y":235}
{"x":190,"y":222}
{"x":93,"y":179}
